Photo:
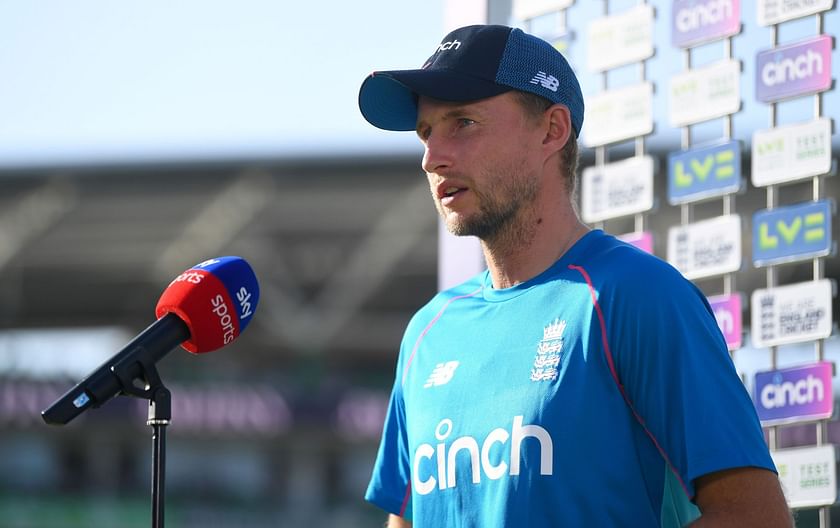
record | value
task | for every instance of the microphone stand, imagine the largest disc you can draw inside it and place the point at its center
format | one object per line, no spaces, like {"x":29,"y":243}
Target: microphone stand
{"x":160,"y":415}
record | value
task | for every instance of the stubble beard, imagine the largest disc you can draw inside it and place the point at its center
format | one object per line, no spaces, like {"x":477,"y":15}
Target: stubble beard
{"x":505,"y":218}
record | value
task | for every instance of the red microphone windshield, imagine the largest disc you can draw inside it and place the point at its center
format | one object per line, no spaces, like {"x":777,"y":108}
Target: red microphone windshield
{"x":201,"y":300}
{"x":216,"y":298}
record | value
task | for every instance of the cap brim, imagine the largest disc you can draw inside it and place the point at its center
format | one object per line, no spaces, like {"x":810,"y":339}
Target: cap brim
{"x":388,"y":99}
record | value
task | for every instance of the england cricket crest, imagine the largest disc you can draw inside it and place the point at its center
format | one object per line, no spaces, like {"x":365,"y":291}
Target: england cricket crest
{"x":547,"y":360}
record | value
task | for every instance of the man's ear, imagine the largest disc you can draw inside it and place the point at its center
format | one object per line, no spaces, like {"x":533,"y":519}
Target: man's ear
{"x":558,"y":129}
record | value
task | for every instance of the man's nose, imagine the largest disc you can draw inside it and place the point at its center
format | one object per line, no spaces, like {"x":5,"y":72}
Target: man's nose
{"x":438,"y":154}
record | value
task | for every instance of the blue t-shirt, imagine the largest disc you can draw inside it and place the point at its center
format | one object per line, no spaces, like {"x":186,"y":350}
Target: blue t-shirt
{"x":591,"y":395}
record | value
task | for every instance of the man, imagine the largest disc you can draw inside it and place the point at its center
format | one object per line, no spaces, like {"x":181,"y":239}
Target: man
{"x":577,"y":382}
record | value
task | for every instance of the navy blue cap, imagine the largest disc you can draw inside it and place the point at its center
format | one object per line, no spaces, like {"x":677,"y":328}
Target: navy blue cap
{"x":471,"y":63}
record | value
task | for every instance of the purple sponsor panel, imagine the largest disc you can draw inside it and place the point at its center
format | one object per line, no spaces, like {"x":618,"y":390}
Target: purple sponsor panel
{"x":795,"y":69}
{"x":794,"y":394}
{"x":642,"y":240}
{"x":727,"y":310}
{"x":697,"y":21}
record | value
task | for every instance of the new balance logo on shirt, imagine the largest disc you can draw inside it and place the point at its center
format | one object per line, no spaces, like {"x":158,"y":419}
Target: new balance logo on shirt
{"x":442,"y":374}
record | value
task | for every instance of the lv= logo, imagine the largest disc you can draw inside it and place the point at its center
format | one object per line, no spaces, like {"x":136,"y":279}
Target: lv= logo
{"x":792,"y":232}
{"x":810,"y":226}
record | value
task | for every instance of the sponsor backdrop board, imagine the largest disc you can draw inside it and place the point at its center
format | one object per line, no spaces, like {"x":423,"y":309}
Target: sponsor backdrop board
{"x":791,"y":152}
{"x":775,"y":11}
{"x":620,"y":39}
{"x":791,"y":314}
{"x":703,"y":172}
{"x":708,"y":248}
{"x":794,"y":70}
{"x":525,"y":9}
{"x":796,"y":394}
{"x":808,"y":475}
{"x":705,"y":93}
{"x":617,"y":189}
{"x":617,"y":115}
{"x":792,"y":233}
{"x":727,"y":310}
{"x":697,"y":21}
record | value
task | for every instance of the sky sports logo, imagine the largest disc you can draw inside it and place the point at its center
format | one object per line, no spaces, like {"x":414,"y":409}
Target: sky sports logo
{"x":697,"y":21}
{"x":223,"y":312}
{"x":800,"y":68}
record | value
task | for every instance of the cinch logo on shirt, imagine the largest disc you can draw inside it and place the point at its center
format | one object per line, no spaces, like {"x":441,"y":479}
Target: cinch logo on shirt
{"x":434,"y":466}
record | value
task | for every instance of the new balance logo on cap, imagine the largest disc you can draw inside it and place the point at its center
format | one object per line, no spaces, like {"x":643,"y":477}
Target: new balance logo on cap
{"x":546,"y":81}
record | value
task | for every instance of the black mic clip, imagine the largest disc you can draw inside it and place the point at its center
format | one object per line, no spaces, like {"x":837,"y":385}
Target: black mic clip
{"x":160,"y":399}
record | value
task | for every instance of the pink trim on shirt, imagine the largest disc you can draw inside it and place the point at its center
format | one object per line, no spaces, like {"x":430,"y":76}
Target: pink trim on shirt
{"x":614,"y":372}
{"x":405,"y":499}
{"x":429,"y":327}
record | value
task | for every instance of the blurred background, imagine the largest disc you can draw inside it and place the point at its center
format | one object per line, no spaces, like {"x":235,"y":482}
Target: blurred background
{"x":138,"y":139}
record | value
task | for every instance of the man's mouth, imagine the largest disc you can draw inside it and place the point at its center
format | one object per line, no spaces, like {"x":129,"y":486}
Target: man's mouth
{"x":449,"y":194}
{"x":448,"y":191}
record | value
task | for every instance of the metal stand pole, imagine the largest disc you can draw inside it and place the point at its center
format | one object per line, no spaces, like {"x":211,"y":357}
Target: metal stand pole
{"x":160,"y":414}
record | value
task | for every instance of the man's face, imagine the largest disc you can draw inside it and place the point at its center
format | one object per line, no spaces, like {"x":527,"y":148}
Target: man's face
{"x":482,"y":160}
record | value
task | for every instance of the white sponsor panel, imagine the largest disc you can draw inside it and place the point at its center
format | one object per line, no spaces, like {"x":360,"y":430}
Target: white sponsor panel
{"x":775,"y":11}
{"x":707,"y":248}
{"x":792,"y":313}
{"x":617,"y":115}
{"x":705,"y":93}
{"x":617,"y":189}
{"x":808,"y":475}
{"x":792,"y":152}
{"x":525,"y":9}
{"x":620,"y":39}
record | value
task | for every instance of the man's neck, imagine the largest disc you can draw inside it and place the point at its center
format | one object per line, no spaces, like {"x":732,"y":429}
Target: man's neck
{"x":515,"y":257}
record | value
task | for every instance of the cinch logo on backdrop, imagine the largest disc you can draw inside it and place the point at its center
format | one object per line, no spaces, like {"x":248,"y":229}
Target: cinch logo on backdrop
{"x":793,"y":232}
{"x":727,"y":310}
{"x":794,"y":394}
{"x":435,"y":466}
{"x":795,"y":69}
{"x":696,"y":21}
{"x":704,"y":172}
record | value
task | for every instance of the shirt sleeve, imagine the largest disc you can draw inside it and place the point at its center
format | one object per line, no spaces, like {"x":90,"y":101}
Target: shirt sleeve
{"x":678,"y":376}
{"x":389,"y":486}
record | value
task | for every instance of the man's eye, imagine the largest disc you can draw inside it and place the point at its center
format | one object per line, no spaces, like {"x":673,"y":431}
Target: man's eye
{"x":465,"y":121}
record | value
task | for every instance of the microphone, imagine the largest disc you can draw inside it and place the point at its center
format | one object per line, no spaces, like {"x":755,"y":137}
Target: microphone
{"x":203,"y":309}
